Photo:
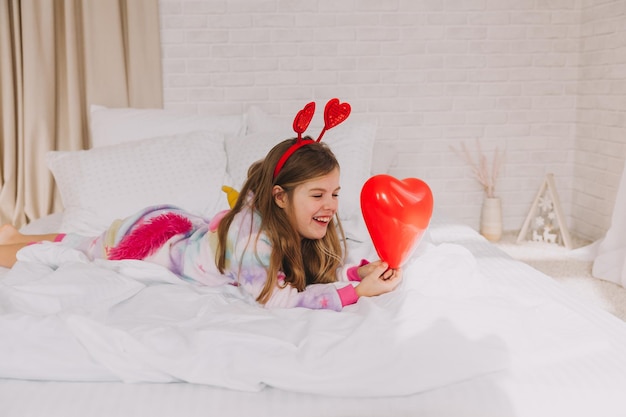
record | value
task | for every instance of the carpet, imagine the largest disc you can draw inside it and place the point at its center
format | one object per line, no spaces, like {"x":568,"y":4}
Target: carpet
{"x":571,"y":268}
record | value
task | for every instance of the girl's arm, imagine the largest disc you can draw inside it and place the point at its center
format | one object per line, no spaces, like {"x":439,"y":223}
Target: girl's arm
{"x":252,"y":275}
{"x":315,"y":296}
{"x":249,"y":257}
{"x":377,"y":279}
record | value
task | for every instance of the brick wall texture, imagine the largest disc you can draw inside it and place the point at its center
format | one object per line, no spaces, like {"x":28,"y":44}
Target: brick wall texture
{"x":544,"y":80}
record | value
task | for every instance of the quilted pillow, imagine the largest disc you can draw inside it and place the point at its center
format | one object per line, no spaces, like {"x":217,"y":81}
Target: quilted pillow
{"x":100,"y":185}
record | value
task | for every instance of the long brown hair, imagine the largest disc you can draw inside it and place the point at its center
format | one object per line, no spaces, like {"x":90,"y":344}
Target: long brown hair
{"x":303,"y":261}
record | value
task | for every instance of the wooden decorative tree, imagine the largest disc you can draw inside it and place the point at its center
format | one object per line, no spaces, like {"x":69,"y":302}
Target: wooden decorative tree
{"x":545,"y":221}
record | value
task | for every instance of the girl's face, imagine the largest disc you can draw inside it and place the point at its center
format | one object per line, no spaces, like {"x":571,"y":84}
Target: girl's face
{"x":312,"y":205}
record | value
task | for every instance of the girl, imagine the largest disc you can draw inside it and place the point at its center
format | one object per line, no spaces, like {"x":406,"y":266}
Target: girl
{"x":280,"y":243}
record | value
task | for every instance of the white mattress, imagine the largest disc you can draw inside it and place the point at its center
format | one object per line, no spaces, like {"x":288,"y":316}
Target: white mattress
{"x":576,"y":381}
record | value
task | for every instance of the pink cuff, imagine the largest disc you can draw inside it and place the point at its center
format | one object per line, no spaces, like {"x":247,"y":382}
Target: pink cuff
{"x":353,"y":273}
{"x":347,"y":295}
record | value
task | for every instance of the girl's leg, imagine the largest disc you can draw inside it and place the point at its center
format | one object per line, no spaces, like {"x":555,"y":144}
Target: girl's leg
{"x":10,"y":235}
{"x":11,"y":241}
{"x":8,"y":254}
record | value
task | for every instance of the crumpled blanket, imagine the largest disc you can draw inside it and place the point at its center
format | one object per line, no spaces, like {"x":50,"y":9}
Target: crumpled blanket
{"x":63,"y":317}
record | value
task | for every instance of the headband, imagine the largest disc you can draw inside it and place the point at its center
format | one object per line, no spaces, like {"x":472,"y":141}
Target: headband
{"x":334,"y":113}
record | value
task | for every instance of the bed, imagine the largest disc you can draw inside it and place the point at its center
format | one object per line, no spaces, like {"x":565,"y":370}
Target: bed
{"x":482,"y":335}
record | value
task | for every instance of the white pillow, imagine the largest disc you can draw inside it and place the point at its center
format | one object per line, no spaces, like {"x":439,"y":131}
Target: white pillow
{"x":243,"y":151}
{"x":100,"y":185}
{"x":351,"y":142}
{"x":112,"y":126}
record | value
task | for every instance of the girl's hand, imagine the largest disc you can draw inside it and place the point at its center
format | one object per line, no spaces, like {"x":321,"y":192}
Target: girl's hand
{"x":377,"y":279}
{"x":368,"y":268}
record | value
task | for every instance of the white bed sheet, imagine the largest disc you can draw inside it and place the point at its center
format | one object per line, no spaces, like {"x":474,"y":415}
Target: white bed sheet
{"x":579,"y":369}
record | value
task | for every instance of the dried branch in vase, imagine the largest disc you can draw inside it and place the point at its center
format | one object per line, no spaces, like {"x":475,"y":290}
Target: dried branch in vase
{"x":480,"y":168}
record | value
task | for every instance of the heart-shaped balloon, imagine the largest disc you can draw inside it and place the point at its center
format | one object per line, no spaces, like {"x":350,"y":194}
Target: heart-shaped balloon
{"x":396,"y":213}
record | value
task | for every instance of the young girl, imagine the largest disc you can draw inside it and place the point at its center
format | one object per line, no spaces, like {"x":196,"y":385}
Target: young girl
{"x":280,"y":243}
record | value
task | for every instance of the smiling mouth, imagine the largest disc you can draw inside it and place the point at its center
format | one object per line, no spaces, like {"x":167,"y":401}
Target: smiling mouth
{"x":324,"y":219}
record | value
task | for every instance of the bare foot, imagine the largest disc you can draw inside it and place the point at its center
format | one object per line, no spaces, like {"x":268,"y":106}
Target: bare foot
{"x":9,"y":234}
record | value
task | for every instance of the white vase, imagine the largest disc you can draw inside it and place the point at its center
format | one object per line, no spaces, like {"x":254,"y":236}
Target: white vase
{"x":491,"y":219}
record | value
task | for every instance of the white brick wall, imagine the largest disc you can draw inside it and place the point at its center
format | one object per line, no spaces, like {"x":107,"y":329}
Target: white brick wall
{"x":433,"y":74}
{"x":601,"y":119}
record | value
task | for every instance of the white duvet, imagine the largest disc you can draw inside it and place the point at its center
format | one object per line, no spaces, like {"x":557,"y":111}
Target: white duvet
{"x":65,"y":318}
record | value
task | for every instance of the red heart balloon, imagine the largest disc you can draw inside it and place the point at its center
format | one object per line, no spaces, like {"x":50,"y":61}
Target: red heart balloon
{"x":396,"y":213}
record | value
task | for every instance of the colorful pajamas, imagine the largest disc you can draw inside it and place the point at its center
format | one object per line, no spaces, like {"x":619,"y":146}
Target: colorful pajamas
{"x":187,"y":244}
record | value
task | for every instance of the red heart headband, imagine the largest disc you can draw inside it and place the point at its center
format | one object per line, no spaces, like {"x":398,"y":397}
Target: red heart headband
{"x":334,"y":113}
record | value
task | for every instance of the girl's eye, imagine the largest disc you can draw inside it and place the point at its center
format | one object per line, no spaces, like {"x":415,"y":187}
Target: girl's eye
{"x":335,"y":195}
{"x":317,"y":196}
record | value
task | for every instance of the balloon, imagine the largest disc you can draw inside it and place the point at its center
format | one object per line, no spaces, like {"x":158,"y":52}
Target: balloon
{"x":396,"y":213}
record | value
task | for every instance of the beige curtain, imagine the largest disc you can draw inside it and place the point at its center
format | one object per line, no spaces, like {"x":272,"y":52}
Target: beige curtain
{"x":57,"y":57}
